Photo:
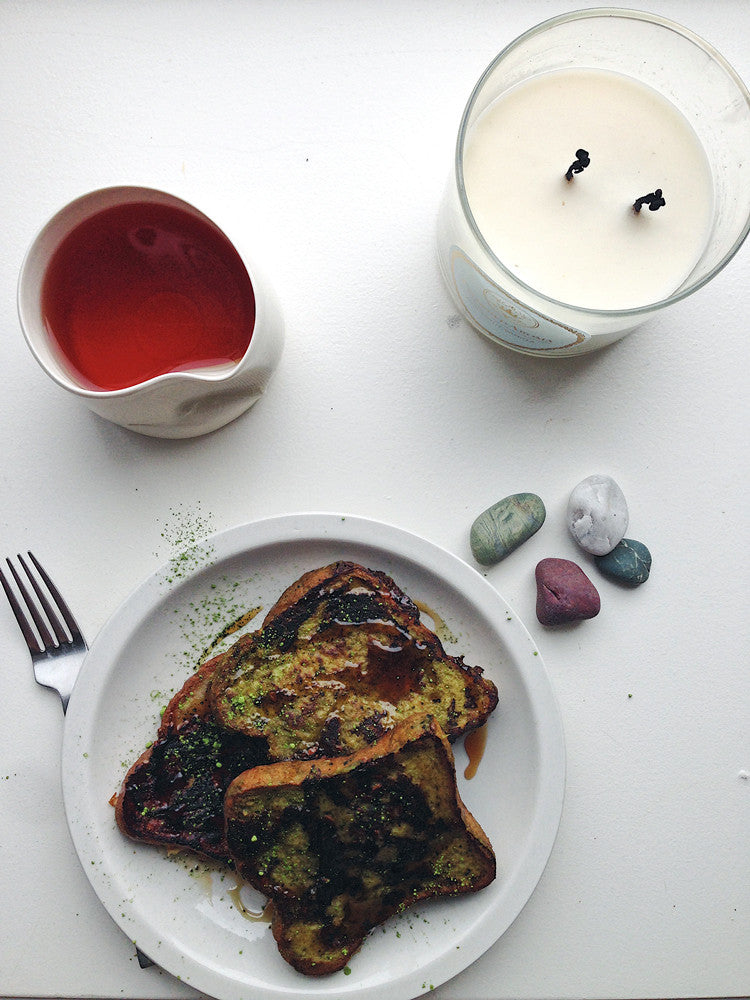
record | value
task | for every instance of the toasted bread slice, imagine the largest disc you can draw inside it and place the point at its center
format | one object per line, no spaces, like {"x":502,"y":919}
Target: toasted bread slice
{"x":340,"y":659}
{"x":191,"y":701}
{"x":173,"y":795}
{"x":341,"y":844}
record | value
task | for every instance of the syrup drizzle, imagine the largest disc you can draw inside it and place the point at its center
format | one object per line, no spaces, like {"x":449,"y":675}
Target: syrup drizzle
{"x":263,"y":916}
{"x":475,"y":744}
{"x":229,"y":629}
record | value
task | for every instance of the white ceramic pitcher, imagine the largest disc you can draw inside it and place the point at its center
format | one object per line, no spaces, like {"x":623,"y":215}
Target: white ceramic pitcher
{"x":179,"y":404}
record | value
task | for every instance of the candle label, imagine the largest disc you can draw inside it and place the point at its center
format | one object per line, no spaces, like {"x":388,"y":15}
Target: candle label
{"x":503,"y":317}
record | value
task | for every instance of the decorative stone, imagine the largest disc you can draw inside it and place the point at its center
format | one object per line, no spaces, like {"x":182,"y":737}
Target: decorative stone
{"x":504,"y":526}
{"x":597,"y":514}
{"x":629,"y":562}
{"x":564,"y":593}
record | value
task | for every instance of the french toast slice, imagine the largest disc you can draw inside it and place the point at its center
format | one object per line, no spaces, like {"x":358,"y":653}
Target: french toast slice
{"x":173,"y":795}
{"x":341,"y":844}
{"x":340,"y":659}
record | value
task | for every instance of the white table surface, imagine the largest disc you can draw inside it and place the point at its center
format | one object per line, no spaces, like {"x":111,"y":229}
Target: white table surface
{"x":328,"y":128}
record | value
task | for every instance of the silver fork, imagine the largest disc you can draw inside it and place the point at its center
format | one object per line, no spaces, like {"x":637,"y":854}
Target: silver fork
{"x":56,"y":658}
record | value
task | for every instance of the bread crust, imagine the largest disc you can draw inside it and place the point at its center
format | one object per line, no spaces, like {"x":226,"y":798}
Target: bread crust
{"x":172,"y":796}
{"x":341,"y":844}
{"x":341,"y":657}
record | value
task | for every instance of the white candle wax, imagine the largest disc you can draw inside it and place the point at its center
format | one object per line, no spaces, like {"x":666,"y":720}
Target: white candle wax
{"x":579,"y":241}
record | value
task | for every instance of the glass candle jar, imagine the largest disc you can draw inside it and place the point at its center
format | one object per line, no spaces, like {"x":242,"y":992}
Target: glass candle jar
{"x":601,"y":174}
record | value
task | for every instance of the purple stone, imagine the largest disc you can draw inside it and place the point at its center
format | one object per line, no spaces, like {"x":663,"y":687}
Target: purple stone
{"x":564,"y":593}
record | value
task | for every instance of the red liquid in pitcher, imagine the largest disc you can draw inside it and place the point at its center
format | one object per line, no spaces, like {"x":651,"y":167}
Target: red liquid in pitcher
{"x":142,"y":289}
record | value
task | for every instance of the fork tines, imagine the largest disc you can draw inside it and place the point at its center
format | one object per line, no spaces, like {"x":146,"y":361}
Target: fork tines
{"x":50,"y":620}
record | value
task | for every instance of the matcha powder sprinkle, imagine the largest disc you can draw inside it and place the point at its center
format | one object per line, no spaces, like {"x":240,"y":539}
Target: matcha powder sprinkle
{"x":216,"y":612}
{"x":186,"y":535}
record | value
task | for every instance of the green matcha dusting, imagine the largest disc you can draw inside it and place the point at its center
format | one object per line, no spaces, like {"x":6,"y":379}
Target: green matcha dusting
{"x":222,"y":609}
{"x":206,"y":623}
{"x":186,"y":535}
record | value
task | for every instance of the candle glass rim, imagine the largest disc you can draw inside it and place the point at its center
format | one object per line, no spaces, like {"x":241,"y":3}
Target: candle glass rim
{"x":583,"y":14}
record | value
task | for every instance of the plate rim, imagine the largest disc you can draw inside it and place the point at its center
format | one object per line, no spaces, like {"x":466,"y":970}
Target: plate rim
{"x":346,"y":529}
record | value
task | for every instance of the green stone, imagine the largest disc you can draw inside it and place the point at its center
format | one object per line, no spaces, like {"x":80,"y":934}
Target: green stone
{"x":504,"y":526}
{"x":629,"y":562}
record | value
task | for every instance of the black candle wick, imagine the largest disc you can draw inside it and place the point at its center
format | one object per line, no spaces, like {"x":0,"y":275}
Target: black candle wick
{"x":653,"y":200}
{"x":578,"y":165}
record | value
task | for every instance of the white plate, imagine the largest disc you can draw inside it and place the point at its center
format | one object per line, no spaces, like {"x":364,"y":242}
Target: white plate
{"x":189,"y":923}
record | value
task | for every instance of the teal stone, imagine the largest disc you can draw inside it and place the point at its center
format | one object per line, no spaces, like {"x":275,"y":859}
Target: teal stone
{"x":504,"y":526}
{"x":629,"y":562}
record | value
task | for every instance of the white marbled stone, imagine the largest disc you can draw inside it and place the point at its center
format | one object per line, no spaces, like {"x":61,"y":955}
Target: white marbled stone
{"x":597,"y":514}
